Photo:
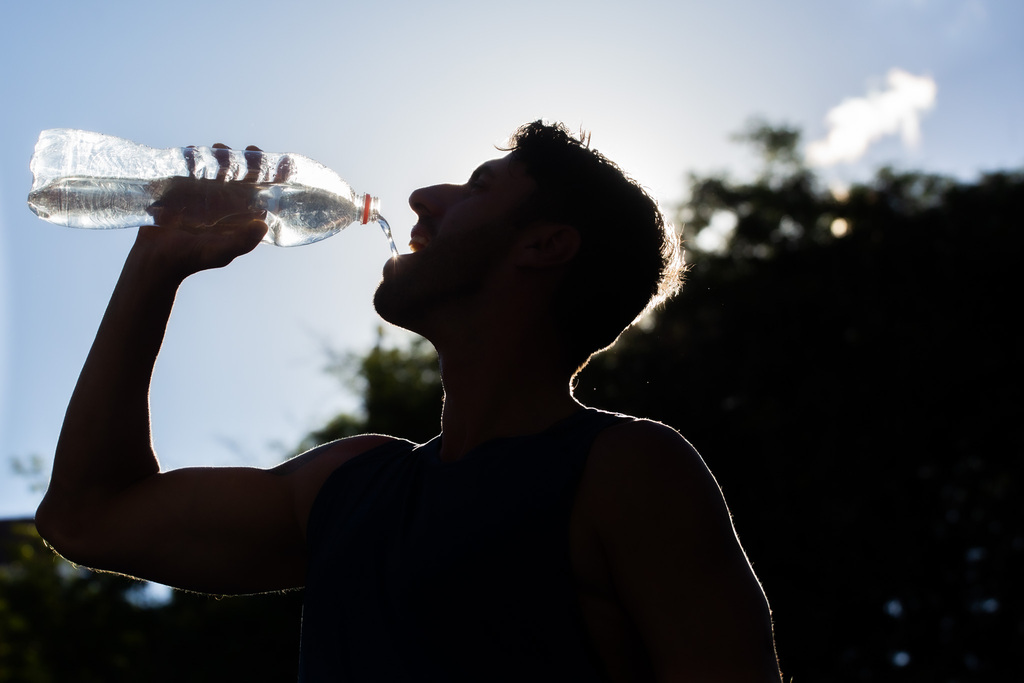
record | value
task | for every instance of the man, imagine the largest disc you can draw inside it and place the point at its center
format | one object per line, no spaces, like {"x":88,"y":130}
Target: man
{"x":533,"y":539}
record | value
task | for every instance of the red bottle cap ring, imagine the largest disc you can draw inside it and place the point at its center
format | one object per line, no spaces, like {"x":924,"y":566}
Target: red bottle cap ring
{"x":366,"y":208}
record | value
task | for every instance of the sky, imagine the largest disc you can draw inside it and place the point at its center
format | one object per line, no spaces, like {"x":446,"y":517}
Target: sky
{"x":397,"y":95}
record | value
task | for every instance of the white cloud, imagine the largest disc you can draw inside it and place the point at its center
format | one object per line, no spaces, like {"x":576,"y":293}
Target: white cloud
{"x":858,"y":122}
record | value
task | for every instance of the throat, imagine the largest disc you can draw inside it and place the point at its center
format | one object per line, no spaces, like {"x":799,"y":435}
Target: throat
{"x":468,"y":422}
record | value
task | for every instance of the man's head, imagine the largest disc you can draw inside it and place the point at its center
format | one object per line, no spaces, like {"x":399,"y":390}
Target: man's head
{"x":629,"y":260}
{"x":620,"y":259}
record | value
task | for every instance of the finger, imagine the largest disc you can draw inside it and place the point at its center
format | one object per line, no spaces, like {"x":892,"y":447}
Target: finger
{"x":222,"y":153}
{"x":253,"y":164}
{"x":238,"y":218}
{"x":256,"y":231}
{"x":190,"y":160}
{"x":164,"y":215}
{"x":222,"y":247}
{"x":249,"y":236}
{"x":244,"y":230}
{"x":284,"y":169}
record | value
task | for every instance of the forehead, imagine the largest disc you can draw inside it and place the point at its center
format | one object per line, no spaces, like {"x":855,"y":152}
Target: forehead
{"x":506,"y":170}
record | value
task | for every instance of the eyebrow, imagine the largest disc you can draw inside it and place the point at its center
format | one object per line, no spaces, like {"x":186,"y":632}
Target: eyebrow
{"x":484,"y":169}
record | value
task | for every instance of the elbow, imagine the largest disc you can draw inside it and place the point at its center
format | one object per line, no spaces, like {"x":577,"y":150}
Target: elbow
{"x":58,"y":526}
{"x":76,"y":531}
{"x":48,"y":523}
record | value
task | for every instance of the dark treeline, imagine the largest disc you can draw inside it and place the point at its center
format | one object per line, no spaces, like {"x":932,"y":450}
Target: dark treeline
{"x":859,"y":400}
{"x":848,"y":367}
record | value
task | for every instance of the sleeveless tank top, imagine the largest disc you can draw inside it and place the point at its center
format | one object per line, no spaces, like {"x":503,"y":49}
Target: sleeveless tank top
{"x":421,"y":570}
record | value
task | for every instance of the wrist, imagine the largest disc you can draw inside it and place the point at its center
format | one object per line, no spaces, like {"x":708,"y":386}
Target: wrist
{"x":148,"y":270}
{"x":155,"y":260}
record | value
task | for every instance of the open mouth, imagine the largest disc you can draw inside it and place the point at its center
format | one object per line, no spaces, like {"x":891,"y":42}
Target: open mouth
{"x":419,"y":238}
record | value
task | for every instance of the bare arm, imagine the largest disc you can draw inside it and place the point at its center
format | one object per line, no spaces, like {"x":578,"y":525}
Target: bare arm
{"x":673,"y":558}
{"x":108,"y":506}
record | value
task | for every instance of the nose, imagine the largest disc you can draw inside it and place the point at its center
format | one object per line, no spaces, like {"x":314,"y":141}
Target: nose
{"x":430,"y":202}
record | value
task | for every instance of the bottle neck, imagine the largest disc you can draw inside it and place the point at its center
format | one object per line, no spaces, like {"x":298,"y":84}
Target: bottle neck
{"x":371,"y":208}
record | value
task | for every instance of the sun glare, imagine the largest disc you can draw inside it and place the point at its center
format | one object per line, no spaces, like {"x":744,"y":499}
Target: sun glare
{"x":840,"y":227}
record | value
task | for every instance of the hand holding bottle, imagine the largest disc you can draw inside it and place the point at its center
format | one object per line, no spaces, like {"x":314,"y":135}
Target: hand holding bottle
{"x":189,"y":202}
{"x":206,"y":223}
{"x":181,"y":251}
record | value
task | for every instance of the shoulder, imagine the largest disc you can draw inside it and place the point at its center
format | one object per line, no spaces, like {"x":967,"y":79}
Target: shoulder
{"x":639,"y":472}
{"x":306,"y":473}
{"x":634,"y":436}
{"x":644,"y":452}
{"x":330,"y":456}
{"x":669,"y":551}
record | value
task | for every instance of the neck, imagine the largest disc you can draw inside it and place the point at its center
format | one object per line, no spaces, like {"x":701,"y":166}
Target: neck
{"x":500,"y":385}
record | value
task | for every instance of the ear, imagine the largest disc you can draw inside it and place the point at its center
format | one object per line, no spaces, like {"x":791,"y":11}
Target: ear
{"x":547,"y":245}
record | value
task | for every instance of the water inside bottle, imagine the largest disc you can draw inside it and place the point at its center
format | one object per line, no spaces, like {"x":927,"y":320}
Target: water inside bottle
{"x":296,"y":214}
{"x":85,"y":202}
{"x":387,"y":233}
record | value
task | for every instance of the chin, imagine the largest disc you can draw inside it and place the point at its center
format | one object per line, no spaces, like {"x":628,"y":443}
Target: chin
{"x":395,"y":306}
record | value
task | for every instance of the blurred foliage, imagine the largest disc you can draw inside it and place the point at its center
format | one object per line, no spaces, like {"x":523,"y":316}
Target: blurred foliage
{"x":859,"y":400}
{"x":400,"y":388}
{"x":60,"y":623}
{"x":846,"y":362}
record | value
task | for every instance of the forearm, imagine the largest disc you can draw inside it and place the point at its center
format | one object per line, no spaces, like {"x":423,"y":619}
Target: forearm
{"x":105,"y":444}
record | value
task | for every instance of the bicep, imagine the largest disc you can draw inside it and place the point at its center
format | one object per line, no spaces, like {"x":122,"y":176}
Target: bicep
{"x":225,"y":530}
{"x":215,"y":530}
{"x":675,"y":561}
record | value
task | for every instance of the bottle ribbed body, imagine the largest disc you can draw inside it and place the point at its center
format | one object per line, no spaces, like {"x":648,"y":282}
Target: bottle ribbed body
{"x":88,"y":180}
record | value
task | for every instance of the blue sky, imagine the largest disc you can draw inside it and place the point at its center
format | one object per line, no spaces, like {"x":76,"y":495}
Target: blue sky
{"x":396,"y":95}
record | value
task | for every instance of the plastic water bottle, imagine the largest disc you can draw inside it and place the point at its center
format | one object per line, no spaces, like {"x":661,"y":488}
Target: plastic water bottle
{"x":90,"y":180}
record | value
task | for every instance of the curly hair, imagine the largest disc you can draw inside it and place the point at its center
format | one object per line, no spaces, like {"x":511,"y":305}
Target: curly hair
{"x":629,"y":261}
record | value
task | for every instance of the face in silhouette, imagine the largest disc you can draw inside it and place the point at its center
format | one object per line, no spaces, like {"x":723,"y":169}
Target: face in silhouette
{"x":462,"y":236}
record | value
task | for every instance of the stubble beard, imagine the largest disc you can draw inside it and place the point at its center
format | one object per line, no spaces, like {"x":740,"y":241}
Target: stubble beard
{"x":437,"y":282}
{"x":415,"y":298}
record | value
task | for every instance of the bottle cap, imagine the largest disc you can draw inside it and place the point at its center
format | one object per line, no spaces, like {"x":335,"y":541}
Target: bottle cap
{"x":370,"y":207}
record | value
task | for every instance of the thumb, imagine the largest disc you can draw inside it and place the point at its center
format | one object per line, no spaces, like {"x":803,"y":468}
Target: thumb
{"x":252,"y":233}
{"x":228,"y":239}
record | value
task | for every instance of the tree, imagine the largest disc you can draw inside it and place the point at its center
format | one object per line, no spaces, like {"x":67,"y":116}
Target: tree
{"x":850,"y":369}
{"x":400,"y":388}
{"x":59,"y":622}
